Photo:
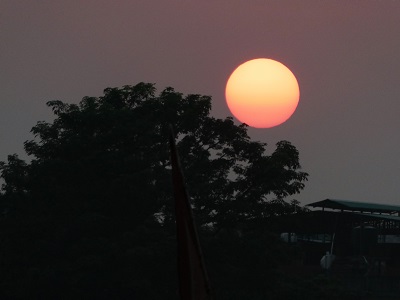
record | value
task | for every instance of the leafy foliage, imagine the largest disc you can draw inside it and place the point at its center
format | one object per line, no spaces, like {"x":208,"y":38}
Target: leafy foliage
{"x":96,"y":196}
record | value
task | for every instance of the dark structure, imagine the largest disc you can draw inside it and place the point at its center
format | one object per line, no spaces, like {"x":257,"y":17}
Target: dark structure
{"x":363,"y":237}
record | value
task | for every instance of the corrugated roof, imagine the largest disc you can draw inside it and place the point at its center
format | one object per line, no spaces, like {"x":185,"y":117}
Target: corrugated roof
{"x":356,"y":206}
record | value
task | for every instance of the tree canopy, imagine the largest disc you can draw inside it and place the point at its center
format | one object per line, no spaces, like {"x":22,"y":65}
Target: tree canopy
{"x":99,"y":178}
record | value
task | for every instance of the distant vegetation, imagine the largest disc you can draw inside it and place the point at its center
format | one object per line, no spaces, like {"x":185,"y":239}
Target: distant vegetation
{"x":90,"y":216}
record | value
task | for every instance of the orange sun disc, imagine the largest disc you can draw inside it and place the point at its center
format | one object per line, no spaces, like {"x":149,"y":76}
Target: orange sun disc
{"x":262,"y":93}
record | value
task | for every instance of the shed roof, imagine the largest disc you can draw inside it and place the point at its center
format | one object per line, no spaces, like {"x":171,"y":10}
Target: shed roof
{"x":356,"y":206}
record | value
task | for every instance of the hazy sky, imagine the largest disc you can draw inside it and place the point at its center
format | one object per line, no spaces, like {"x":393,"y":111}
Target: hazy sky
{"x":345,"y":55}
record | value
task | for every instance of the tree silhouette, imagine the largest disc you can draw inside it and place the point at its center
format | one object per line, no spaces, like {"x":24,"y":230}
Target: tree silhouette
{"x":93,"y":206}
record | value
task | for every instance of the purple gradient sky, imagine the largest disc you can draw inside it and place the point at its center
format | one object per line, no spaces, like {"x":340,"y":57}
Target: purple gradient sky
{"x":345,"y":55}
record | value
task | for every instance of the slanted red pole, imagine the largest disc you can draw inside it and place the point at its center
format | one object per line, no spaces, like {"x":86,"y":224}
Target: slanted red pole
{"x":193,"y":279}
